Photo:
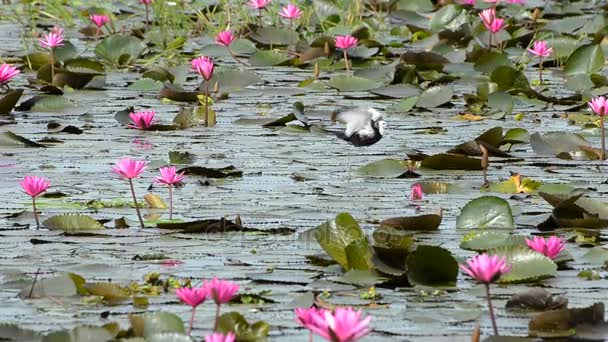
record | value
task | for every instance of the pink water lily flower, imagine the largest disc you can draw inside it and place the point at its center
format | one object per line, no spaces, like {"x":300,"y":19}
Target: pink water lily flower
{"x":487,"y":16}
{"x":58,"y":30}
{"x":169,"y":176}
{"x":221,"y":291}
{"x":259,"y":4}
{"x":518,"y":2}
{"x":342,"y":325}
{"x":217,"y":337}
{"x":290,"y":12}
{"x":99,"y":19}
{"x":51,"y":40}
{"x":599,"y":105}
{"x":34,"y":185}
{"x":417,"y":193}
{"x":128,"y":168}
{"x":550,"y":247}
{"x":204,"y":66}
{"x":346,"y":42}
{"x":486,"y":269}
{"x":7,"y":72}
{"x":192,"y":296}
{"x":467,"y":2}
{"x":225,"y":38}
{"x":145,"y":2}
{"x":540,"y":49}
{"x":497,"y":25}
{"x":142,"y":120}
{"x":306,"y":316}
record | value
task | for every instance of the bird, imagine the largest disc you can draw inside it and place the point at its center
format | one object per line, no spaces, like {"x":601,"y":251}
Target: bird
{"x":364,"y":126}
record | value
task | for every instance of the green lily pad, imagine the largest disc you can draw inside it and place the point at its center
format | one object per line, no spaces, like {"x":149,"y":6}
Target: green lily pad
{"x":353,"y":83}
{"x":80,"y":334}
{"x":275,"y":36}
{"x":486,"y":212}
{"x":239,"y":47}
{"x":508,"y":78}
{"x":449,"y":17}
{"x":426,"y":222}
{"x":162,"y":322}
{"x":482,"y":240}
{"x":146,"y":84}
{"x":336,"y":235}
{"x":10,"y":139}
{"x":13,"y":332}
{"x":397,"y":91}
{"x":587,"y":59}
{"x":72,"y":223}
{"x":450,"y":161}
{"x":527,"y":265}
{"x":262,"y":58}
{"x":9,"y":100}
{"x":435,"y":96}
{"x":596,"y":255}
{"x":385,"y":168}
{"x":404,"y":105}
{"x":232,"y":80}
{"x":431,"y":266}
{"x":235,"y":322}
{"x":554,"y":143}
{"x":119,"y":50}
{"x":62,"y":285}
{"x":168,"y":337}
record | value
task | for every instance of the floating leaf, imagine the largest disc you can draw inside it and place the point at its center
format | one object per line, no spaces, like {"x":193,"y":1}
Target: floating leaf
{"x":362,"y":278}
{"x":386,"y":168}
{"x":272,"y":35}
{"x":587,"y":59}
{"x":162,"y":322}
{"x":146,"y":84}
{"x":235,"y":322}
{"x":449,"y":161}
{"x":166,"y":337}
{"x":119,"y":50}
{"x":9,"y":100}
{"x":72,"y":222}
{"x":10,"y":139}
{"x":596,"y":255}
{"x":432,"y":266}
{"x":564,"y":322}
{"x":397,"y":91}
{"x":508,"y":78}
{"x":352,"y":83}
{"x":155,"y":202}
{"x":222,"y":172}
{"x":422,"y":222}
{"x":482,"y":240}
{"x":263,"y":58}
{"x":515,"y":185}
{"x":336,"y":235}
{"x":486,"y":212}
{"x":435,"y":96}
{"x":12,"y":332}
{"x":62,"y":285}
{"x":80,"y":334}
{"x":554,"y":143}
{"x":183,"y":158}
{"x":404,"y":105}
{"x":232,"y":80}
{"x":537,"y":299}
{"x":46,"y":103}
{"x":113,"y":294}
{"x":449,"y":17}
{"x":526,"y":265}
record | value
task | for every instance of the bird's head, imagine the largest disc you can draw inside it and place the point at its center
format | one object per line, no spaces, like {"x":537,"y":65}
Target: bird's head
{"x":382,"y":127}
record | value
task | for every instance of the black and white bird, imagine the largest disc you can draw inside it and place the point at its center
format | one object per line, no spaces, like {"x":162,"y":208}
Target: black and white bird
{"x":364,"y":126}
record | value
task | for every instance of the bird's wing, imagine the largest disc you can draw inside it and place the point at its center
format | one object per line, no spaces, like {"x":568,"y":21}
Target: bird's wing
{"x":355,"y":120}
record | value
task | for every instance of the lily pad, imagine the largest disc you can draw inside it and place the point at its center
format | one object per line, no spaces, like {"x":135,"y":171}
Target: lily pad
{"x":554,"y":143}
{"x":486,"y":212}
{"x":119,"y":50}
{"x":235,"y":322}
{"x":9,"y":100}
{"x":386,"y":168}
{"x":72,"y":222}
{"x":431,"y":266}
{"x":587,"y":59}
{"x":435,"y":96}
{"x":353,"y":83}
{"x":450,"y":161}
{"x":232,"y":80}
{"x":422,"y":222}
{"x":336,"y":235}
{"x":527,"y":265}
{"x":10,"y":139}
{"x":482,"y":240}
{"x":275,"y":36}
{"x":262,"y":58}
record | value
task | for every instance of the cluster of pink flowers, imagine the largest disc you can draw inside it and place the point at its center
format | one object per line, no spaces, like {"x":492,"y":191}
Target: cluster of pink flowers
{"x":491,"y":21}
{"x":220,"y":291}
{"x":341,"y":325}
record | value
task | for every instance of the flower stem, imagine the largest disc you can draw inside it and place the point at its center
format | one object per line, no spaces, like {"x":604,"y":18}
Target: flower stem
{"x":170,"y":202}
{"x":191,"y":324}
{"x":490,"y":42}
{"x":260,"y":16}
{"x":603,"y":137}
{"x":147,"y":17}
{"x":491,"y":309}
{"x":540,"y":72}
{"x":346,"y":61}
{"x":310,"y":337}
{"x":141,"y":222}
{"x":35,"y":212}
{"x":207,"y":103}
{"x":217,"y":317}
{"x":52,"y":66}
